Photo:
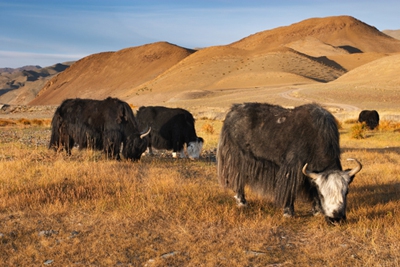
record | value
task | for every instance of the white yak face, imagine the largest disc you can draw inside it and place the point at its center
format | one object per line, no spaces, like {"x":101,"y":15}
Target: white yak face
{"x":193,"y":149}
{"x":332,"y":188}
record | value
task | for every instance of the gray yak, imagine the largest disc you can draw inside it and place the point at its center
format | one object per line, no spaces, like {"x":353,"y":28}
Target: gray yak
{"x":284,"y":154}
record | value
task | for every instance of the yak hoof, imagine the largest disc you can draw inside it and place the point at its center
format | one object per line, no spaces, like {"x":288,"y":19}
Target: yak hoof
{"x":241,"y":205}
{"x":287,"y":215}
{"x":240,"y":202}
{"x":316,"y":213}
{"x":288,"y":212}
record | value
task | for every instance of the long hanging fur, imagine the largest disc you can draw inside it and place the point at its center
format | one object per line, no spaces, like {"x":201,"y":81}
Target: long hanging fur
{"x":171,"y":128}
{"x":265,"y":147}
{"x":97,"y":124}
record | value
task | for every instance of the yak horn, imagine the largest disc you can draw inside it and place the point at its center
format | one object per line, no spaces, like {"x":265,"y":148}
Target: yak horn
{"x":143,"y":134}
{"x":312,"y":175}
{"x":355,"y":170}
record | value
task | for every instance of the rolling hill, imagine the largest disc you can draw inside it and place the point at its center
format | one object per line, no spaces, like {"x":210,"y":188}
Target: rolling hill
{"x":110,"y":73}
{"x":314,"y":54}
{"x":21,"y":85}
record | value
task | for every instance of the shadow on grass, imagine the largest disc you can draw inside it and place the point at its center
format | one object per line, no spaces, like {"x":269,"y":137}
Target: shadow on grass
{"x":379,"y":150}
{"x":376,"y":201}
{"x":372,"y":195}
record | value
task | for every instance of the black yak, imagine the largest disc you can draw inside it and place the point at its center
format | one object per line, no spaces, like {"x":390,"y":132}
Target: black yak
{"x":171,"y":129}
{"x":370,"y":117}
{"x":283,"y":154}
{"x":97,"y":124}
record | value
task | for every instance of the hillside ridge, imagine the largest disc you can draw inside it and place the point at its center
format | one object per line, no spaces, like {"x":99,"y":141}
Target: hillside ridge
{"x":263,"y":66}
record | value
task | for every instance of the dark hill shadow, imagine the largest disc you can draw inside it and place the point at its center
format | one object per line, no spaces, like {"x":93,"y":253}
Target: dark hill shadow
{"x":351,"y":49}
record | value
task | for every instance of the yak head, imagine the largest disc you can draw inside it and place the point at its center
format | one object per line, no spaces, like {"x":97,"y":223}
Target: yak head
{"x":332,"y":189}
{"x":135,"y":145}
{"x":193,"y":148}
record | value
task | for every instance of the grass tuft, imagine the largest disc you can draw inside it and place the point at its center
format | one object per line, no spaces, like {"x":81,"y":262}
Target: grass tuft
{"x":358,"y":131}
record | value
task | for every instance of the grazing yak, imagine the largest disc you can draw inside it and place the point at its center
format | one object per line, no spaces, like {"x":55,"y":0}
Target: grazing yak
{"x":171,"y":129}
{"x":370,"y":117}
{"x":97,"y":124}
{"x":283,"y":154}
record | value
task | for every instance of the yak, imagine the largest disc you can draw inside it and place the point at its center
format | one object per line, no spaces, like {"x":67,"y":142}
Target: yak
{"x":171,"y":129}
{"x":284,"y":154}
{"x":98,"y":124}
{"x":370,"y":117}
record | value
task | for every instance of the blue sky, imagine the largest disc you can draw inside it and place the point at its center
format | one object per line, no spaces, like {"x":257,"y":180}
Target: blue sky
{"x":46,"y":32}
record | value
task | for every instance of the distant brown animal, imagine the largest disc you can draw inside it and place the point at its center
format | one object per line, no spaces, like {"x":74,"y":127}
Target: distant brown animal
{"x":370,"y":117}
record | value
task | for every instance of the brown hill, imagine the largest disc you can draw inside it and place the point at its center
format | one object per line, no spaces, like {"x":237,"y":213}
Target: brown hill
{"x":374,"y":85}
{"x":261,"y":67}
{"x":219,"y":68}
{"x":393,"y":33}
{"x":21,"y":85}
{"x":339,"y":31}
{"x":111,"y":73}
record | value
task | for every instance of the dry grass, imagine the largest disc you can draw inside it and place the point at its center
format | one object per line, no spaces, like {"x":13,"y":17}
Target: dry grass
{"x":84,"y":210}
{"x":23,"y":121}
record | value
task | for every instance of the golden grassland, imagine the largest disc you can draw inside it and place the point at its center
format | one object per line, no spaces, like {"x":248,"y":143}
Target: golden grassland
{"x":85,"y":210}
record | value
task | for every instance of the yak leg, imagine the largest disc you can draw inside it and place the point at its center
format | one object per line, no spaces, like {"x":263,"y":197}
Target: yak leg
{"x":149,"y":145}
{"x":182,"y":153}
{"x":67,"y":143}
{"x":316,"y":204}
{"x":288,"y":210}
{"x":175,"y":149}
{"x":240,"y":199}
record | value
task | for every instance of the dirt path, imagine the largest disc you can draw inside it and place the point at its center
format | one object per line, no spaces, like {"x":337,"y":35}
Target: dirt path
{"x":339,"y":106}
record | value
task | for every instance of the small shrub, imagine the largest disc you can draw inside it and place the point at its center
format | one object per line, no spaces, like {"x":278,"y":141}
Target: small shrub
{"x":24,"y":121}
{"x":37,"y":122}
{"x":208,"y":128}
{"x":358,"y":130}
{"x":6,"y":122}
{"x":388,"y":126}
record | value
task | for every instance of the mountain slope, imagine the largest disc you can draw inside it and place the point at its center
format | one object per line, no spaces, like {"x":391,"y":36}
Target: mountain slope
{"x":339,"y":31}
{"x":313,"y":51}
{"x":111,"y":73}
{"x":224,"y":67}
{"x":20,"y":86}
{"x":393,"y":33}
